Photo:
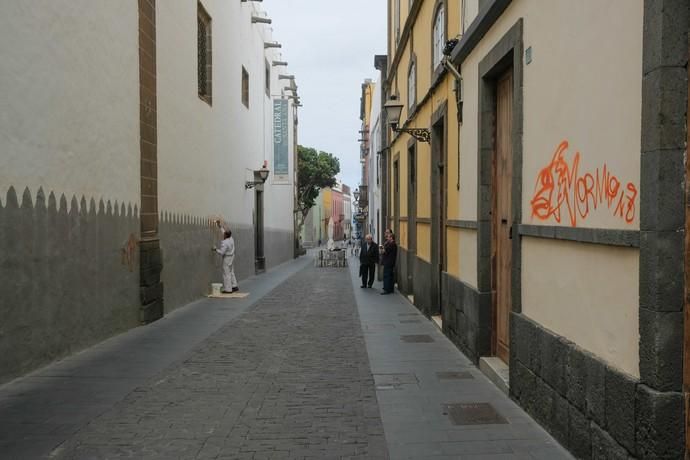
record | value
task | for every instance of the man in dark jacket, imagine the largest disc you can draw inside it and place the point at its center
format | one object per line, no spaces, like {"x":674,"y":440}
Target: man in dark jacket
{"x":389,"y":253}
{"x":368,"y":258}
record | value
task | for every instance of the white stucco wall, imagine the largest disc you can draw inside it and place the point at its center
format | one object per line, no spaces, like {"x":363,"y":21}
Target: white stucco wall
{"x":206,"y":153}
{"x":69,"y":105}
{"x":373,"y":159}
{"x":583,"y":86}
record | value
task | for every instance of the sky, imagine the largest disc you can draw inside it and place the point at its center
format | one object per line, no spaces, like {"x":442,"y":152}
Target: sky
{"x":330,"y":47}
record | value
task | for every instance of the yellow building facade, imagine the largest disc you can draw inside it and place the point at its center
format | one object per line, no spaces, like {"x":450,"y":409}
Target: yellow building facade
{"x":537,"y":220}
{"x":421,"y":202}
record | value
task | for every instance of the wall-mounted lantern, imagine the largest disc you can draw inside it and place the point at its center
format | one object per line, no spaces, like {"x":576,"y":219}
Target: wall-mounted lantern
{"x":260,"y":177}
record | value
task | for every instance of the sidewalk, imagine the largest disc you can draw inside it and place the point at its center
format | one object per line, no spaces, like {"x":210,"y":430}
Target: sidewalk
{"x":283,"y":374}
{"x":419,"y":372}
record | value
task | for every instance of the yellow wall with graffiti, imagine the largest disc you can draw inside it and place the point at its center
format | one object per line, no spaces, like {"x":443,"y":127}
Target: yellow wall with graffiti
{"x":601,"y":120}
{"x":581,"y":168}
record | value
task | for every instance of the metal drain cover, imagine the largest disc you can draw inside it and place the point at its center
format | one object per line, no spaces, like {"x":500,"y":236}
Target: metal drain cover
{"x":415,"y":338}
{"x":454,"y":375}
{"x":473,"y":414}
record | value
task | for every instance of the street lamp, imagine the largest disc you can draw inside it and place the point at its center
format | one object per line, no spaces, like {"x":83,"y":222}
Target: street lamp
{"x":261,"y":174}
{"x":393,"y":110}
{"x":356,"y":194}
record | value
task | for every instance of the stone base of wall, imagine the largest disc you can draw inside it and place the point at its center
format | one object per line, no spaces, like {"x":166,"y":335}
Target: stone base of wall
{"x":591,"y":408}
{"x":467,"y":317}
{"x":69,"y":277}
{"x":151,"y":286}
{"x":421,"y":273}
{"x":403,"y":272}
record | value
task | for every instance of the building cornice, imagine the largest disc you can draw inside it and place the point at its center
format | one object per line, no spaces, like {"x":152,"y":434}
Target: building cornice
{"x":486,"y":18}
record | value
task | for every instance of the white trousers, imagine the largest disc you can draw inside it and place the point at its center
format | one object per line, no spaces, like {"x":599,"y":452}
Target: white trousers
{"x":229,"y":280}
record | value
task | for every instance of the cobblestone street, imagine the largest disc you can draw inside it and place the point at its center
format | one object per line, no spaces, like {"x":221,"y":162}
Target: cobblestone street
{"x":288,"y":377}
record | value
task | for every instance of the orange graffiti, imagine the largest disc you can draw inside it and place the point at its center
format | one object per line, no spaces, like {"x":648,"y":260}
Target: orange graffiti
{"x":129,"y":251}
{"x":561,"y":188}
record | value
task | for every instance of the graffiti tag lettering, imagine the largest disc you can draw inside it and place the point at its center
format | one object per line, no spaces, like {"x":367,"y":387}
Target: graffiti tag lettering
{"x":129,"y":251}
{"x":562,"y":191}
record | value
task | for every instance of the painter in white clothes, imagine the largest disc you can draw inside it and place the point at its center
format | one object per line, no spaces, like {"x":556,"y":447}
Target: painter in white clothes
{"x":227,"y":251}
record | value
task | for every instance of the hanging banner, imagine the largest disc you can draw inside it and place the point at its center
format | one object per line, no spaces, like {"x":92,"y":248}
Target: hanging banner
{"x":280,"y":141}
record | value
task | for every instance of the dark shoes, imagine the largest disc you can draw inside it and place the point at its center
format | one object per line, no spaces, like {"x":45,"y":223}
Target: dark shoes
{"x":369,"y":286}
{"x":235,"y":289}
{"x":362,"y":286}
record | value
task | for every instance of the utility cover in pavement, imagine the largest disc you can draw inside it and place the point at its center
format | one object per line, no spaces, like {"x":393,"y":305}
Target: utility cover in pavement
{"x":454,"y":375}
{"x":473,"y":414}
{"x":394,"y":381}
{"x":414,"y":338}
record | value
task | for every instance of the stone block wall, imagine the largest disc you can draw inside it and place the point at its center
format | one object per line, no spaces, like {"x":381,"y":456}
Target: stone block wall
{"x":589,"y":406}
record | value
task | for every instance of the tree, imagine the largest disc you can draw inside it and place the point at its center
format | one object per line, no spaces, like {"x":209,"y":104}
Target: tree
{"x":315,"y":170}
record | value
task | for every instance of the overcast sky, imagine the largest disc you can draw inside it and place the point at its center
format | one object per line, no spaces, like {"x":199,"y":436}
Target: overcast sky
{"x":330,"y":48}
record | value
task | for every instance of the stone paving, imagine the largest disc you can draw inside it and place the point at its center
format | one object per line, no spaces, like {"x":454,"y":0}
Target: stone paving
{"x":288,"y":379}
{"x":310,"y":366}
{"x":419,"y":373}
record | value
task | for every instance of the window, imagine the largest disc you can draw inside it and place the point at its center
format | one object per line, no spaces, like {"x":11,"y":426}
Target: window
{"x":268,"y":79}
{"x":203,"y":53}
{"x":245,"y":87}
{"x":412,"y":86}
{"x":439,"y":37}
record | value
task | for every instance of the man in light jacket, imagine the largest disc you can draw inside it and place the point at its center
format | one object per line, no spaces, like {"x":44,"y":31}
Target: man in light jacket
{"x":227,"y":251}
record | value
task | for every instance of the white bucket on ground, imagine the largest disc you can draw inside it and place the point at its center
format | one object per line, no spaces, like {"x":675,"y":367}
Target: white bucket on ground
{"x":215,"y":288}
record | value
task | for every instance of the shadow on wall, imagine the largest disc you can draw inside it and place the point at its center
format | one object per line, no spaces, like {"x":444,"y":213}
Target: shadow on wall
{"x":69,"y":276}
{"x":189,"y":265}
{"x":279,"y":246}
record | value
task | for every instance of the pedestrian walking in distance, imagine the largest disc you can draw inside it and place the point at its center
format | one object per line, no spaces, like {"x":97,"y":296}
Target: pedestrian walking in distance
{"x":368,"y":258}
{"x":389,"y":253}
{"x":227,"y":251}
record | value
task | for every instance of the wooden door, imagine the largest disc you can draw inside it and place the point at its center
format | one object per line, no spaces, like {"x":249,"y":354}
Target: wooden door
{"x":396,"y":198}
{"x":411,"y":216}
{"x":438,"y":187}
{"x":259,"y":258}
{"x":502,"y":213}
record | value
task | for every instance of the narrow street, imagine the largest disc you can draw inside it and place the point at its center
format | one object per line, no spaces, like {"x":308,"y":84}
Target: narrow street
{"x":308,"y":366}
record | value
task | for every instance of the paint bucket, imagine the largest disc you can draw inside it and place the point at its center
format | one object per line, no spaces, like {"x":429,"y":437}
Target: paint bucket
{"x":215,"y":288}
